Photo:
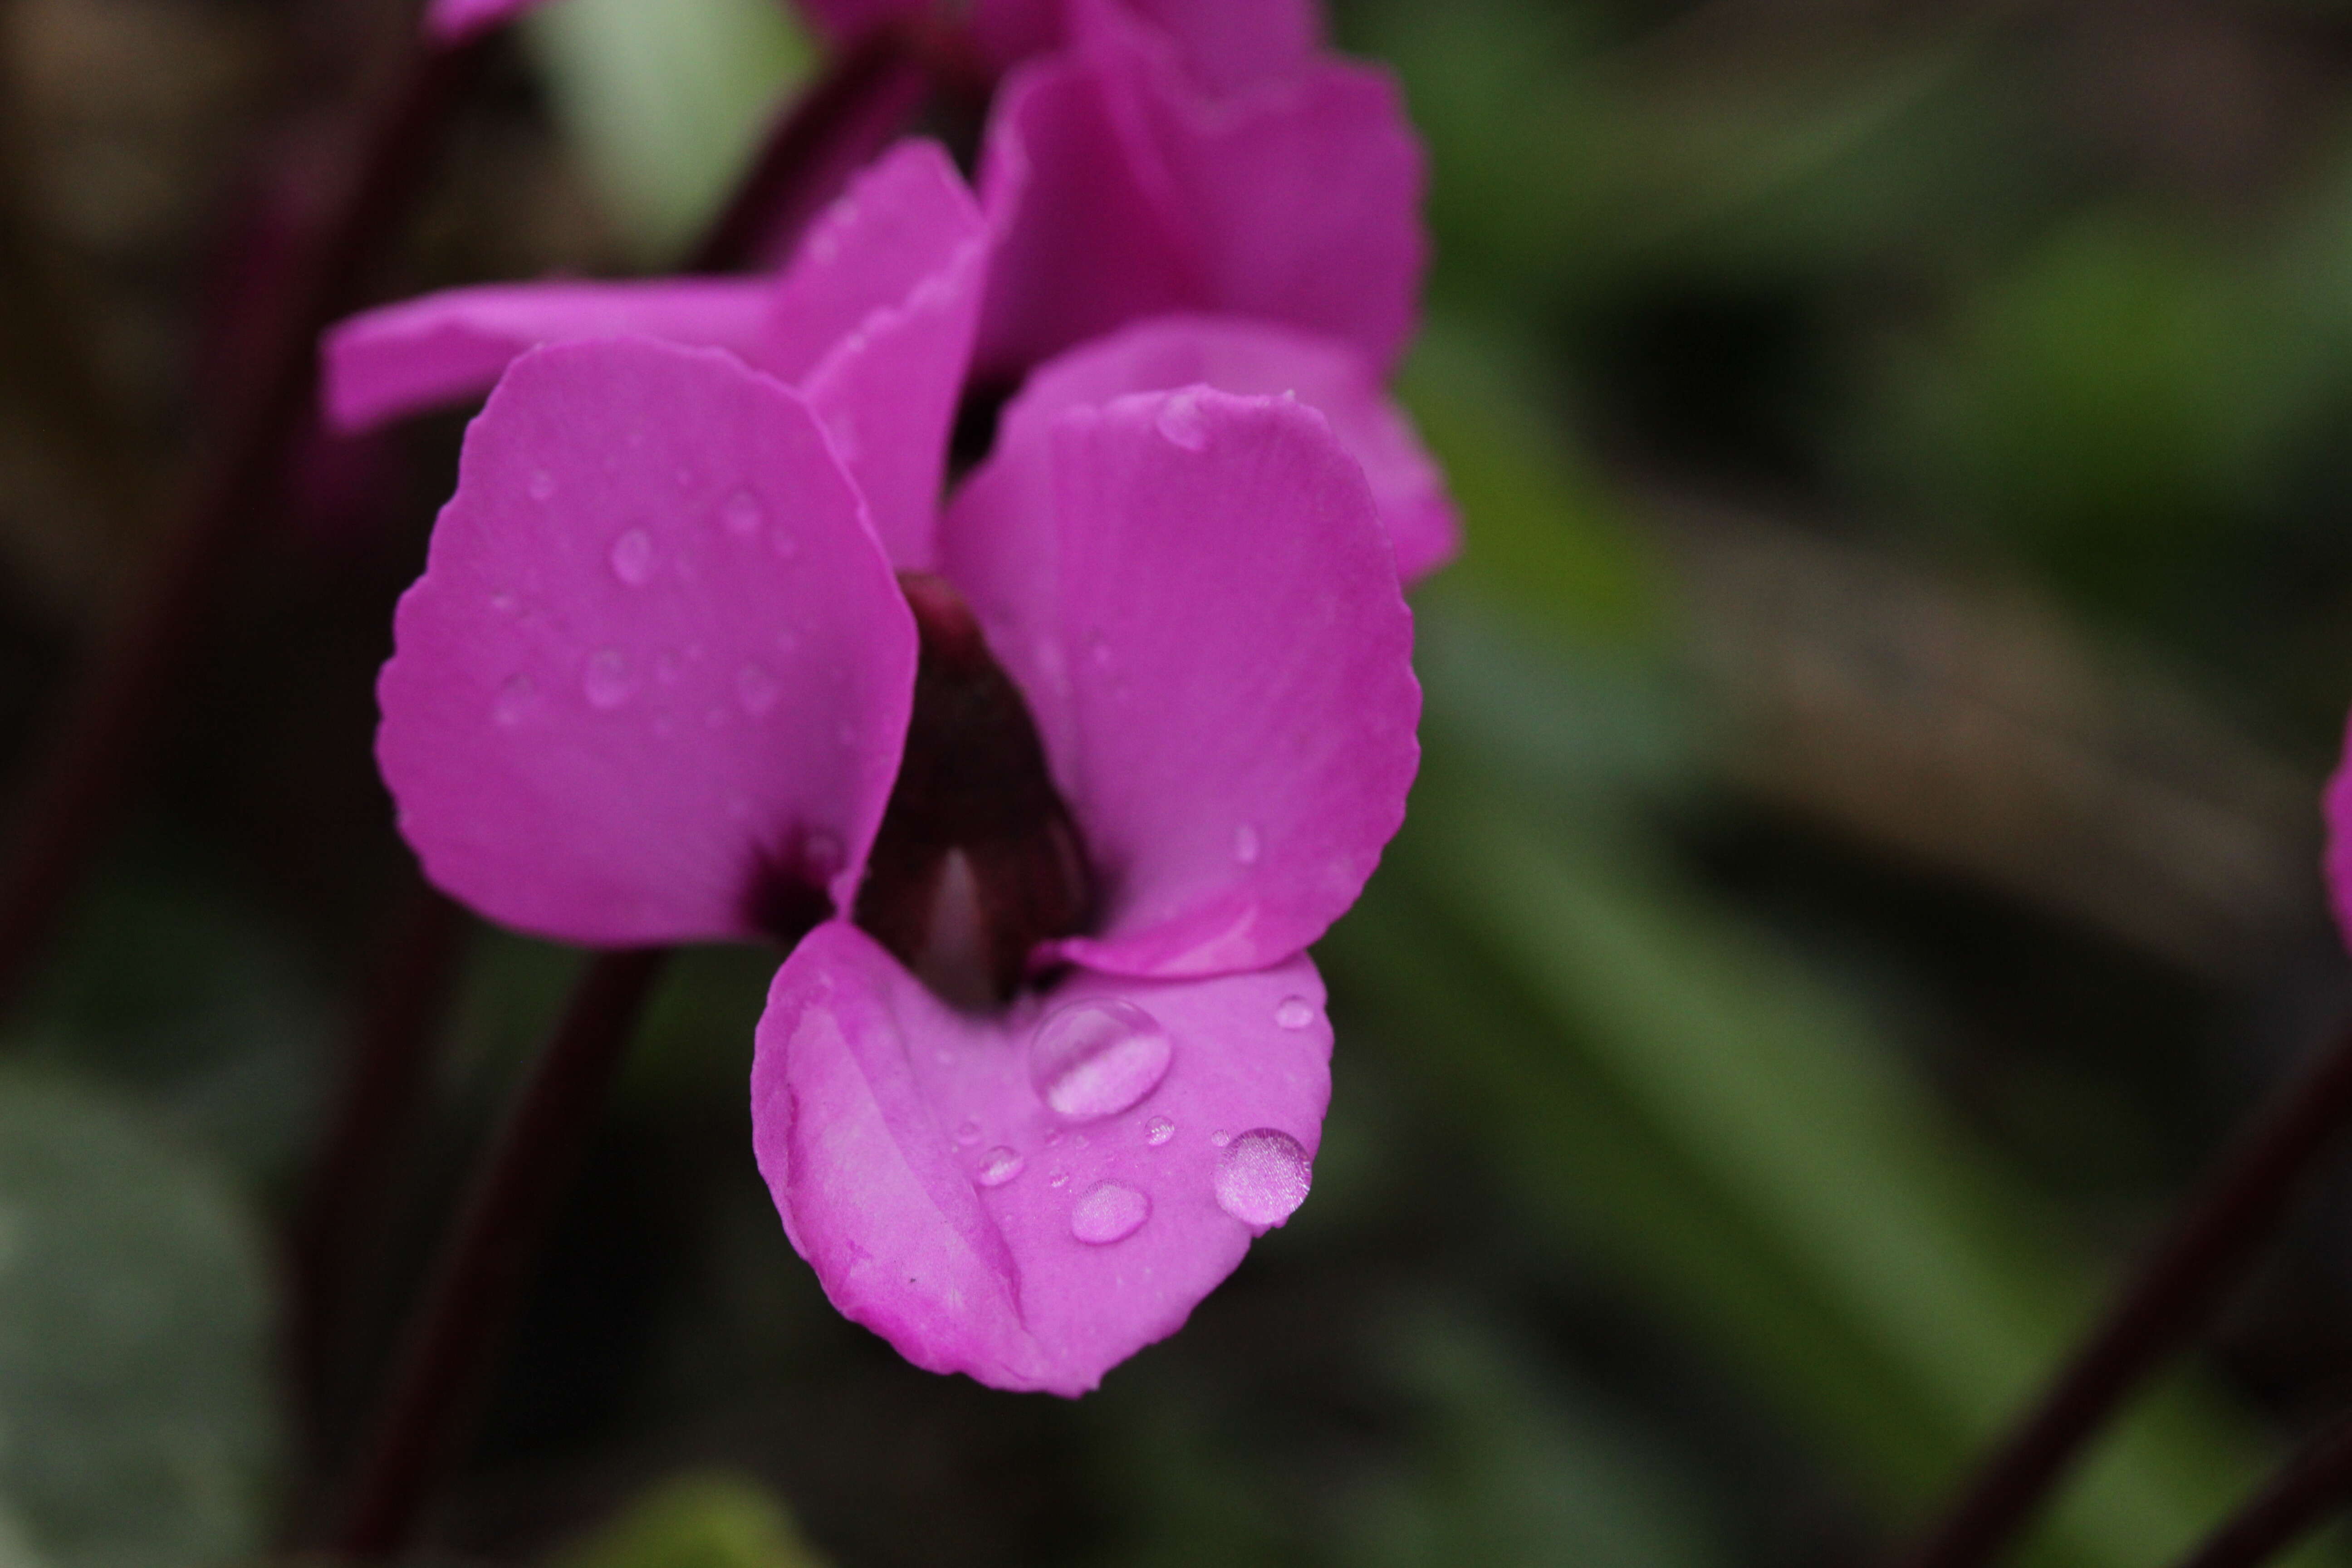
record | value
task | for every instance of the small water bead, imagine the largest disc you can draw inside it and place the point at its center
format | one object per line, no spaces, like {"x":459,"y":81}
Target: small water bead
{"x":1263,"y":1177}
{"x":821,"y":855}
{"x":743,"y":514}
{"x":1220,"y":1137}
{"x":504,"y":603}
{"x":632,"y":558}
{"x":1158,"y":1131}
{"x":783,"y":543}
{"x":608,"y":682}
{"x":968,"y":1133}
{"x":1109,"y":1212}
{"x":755,"y":689}
{"x":542,"y":485}
{"x":1295,"y":1013}
{"x":1097,"y":1059}
{"x":666,"y":668}
{"x":1000,"y":1166}
{"x":1246,"y":847}
{"x":517,"y":698}
{"x":1058,"y":1179}
{"x":1180,"y":424}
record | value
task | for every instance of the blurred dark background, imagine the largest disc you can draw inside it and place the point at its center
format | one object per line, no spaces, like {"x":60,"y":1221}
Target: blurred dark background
{"x":1866,"y":857}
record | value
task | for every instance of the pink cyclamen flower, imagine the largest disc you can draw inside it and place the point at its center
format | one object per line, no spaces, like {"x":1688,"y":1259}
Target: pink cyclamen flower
{"x":1063,"y":813}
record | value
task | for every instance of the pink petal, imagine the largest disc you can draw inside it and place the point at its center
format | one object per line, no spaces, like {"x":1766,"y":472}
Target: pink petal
{"x":1252,"y":357}
{"x":1195,"y":596}
{"x":447,"y":347}
{"x":943,"y":1201}
{"x":1119,"y":189}
{"x":1232,"y":44}
{"x":657,"y":670}
{"x":874,"y":319}
{"x":2336,"y":809}
{"x":455,"y":21}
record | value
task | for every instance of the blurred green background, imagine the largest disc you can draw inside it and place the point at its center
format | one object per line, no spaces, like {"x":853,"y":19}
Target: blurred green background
{"x":1865,"y":857}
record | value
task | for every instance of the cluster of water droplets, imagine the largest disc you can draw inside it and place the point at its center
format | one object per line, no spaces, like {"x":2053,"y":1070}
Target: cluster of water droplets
{"x":609,"y":678}
{"x":1093,"y":1060}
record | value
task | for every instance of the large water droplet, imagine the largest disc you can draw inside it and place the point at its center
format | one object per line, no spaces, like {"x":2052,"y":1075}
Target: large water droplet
{"x":1000,"y":1166}
{"x":1097,"y":1059}
{"x":632,"y":558}
{"x":542,"y":485}
{"x":517,"y":697}
{"x":1246,"y":847}
{"x":743,"y":514}
{"x":1180,"y":424}
{"x":1263,"y":1177}
{"x":755,"y":689}
{"x":1108,"y":1212}
{"x":1295,"y":1013}
{"x":608,"y":682}
{"x":1158,"y":1131}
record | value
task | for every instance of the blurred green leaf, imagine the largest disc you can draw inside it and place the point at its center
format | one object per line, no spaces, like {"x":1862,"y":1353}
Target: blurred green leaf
{"x":137,"y":1425}
{"x":665,"y":103}
{"x":696,"y":1522}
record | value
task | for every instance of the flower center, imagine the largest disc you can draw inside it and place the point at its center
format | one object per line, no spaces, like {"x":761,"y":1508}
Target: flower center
{"x":977,"y":860}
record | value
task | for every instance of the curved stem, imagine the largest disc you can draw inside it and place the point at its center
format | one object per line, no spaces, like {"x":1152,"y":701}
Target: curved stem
{"x":479,"y":1278}
{"x":2307,"y":1489}
{"x":866,"y":98}
{"x":79,"y":784}
{"x":2163,"y":1303}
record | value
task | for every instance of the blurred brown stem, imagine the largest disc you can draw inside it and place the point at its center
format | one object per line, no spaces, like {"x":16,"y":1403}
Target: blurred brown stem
{"x":79,"y":780}
{"x":2314,"y":1484}
{"x":866,"y":98}
{"x":2165,"y":1303}
{"x":478,"y":1280}
{"x":385,"y":1080}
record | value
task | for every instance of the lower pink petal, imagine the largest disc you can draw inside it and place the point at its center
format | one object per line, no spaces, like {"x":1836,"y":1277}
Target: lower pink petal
{"x":1233,"y":354}
{"x":947,"y":1205}
{"x":657,"y":671}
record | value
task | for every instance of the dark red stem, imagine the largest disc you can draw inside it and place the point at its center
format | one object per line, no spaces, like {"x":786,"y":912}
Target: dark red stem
{"x":69,"y":805}
{"x":868,"y":96}
{"x":2306,"y":1490}
{"x":384,"y":1082}
{"x":479,"y":1278}
{"x":2174,"y":1290}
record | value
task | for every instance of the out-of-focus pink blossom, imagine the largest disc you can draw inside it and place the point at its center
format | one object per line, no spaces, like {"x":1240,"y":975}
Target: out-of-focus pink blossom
{"x":659,"y":682}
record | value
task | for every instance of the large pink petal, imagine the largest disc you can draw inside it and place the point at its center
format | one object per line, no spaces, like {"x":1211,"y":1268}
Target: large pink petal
{"x":874,"y":319}
{"x":1121,"y":187}
{"x":1254,"y":357}
{"x":945,"y":1203}
{"x":444,"y":348}
{"x":656,"y":674}
{"x":1195,"y":593}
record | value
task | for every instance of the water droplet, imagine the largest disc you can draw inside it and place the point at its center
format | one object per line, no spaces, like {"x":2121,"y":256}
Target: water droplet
{"x":1058,"y":1179}
{"x":755,"y":689}
{"x":1158,"y":1131}
{"x":1246,"y":847}
{"x":968,"y":1133}
{"x":504,"y":603}
{"x":543,"y":485}
{"x":1097,"y":650}
{"x":517,"y":697}
{"x":1295,"y":1013}
{"x":1097,"y":1059}
{"x":608,"y":682}
{"x":666,"y":668}
{"x":1180,"y":422}
{"x":632,"y":558}
{"x":1108,"y":1212}
{"x":1220,"y":1137}
{"x":1263,"y":1177}
{"x":783,"y":541}
{"x":824,"y":247}
{"x":743,"y":514}
{"x":999,"y":1167}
